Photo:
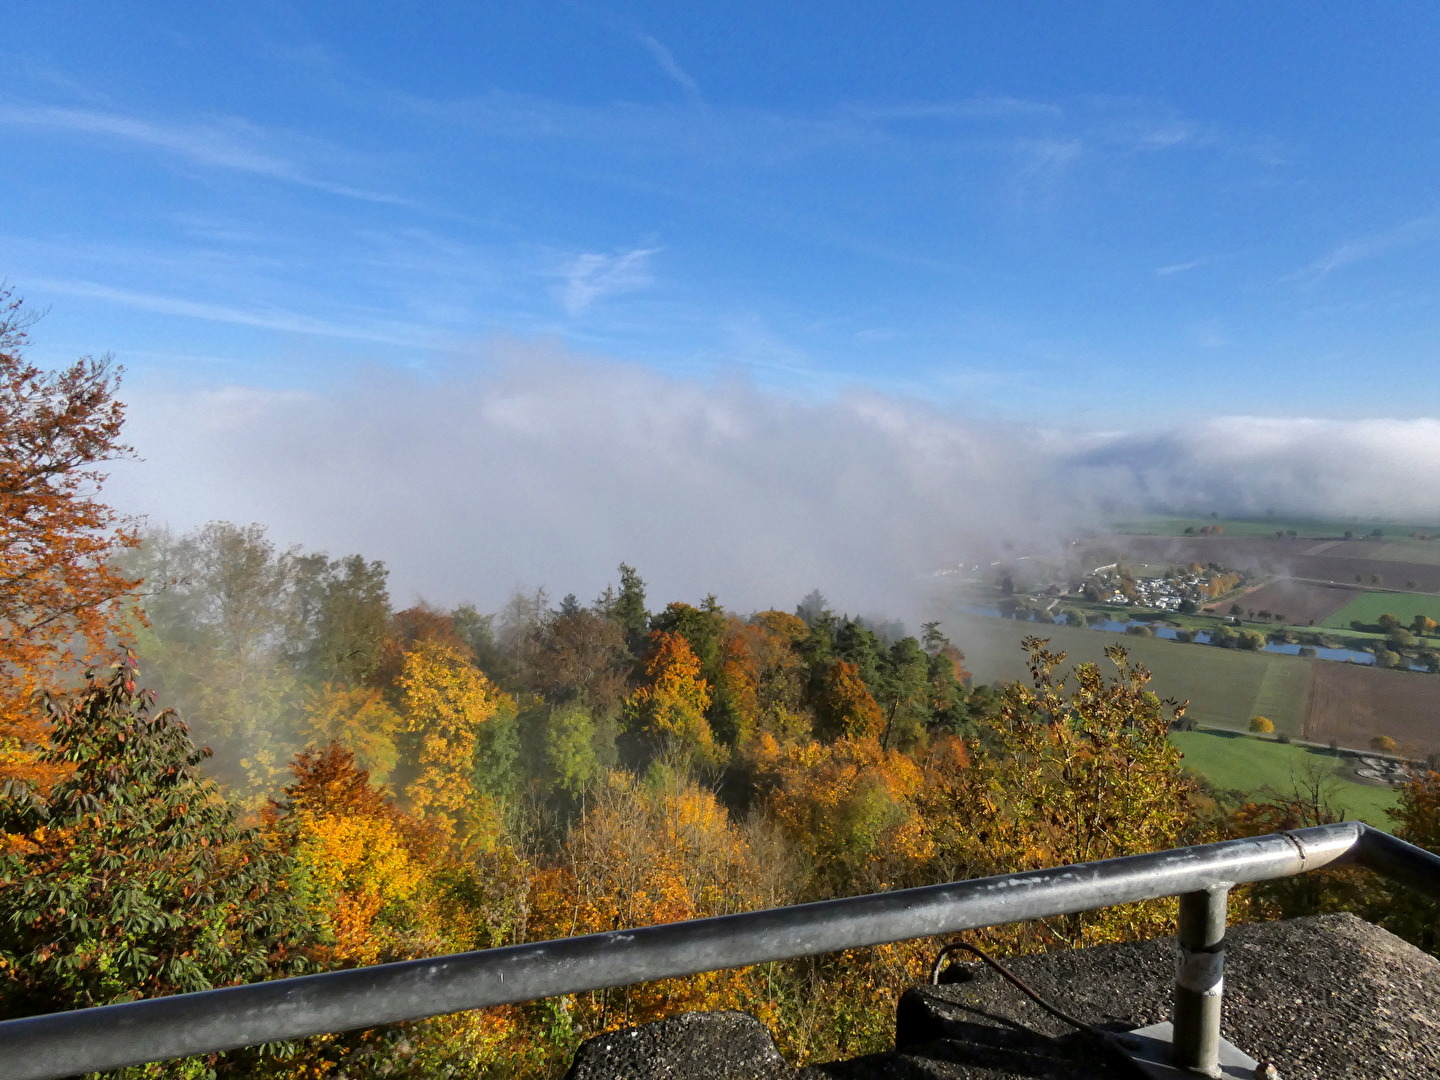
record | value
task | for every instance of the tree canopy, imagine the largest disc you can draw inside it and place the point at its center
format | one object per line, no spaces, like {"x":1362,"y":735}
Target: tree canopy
{"x":63,"y":602}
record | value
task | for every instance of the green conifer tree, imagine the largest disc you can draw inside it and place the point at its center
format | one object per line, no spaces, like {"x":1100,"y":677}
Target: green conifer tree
{"x":628,"y":609}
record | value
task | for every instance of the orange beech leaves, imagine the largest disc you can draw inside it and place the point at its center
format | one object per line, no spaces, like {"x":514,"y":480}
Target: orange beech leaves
{"x":736,"y":704}
{"x":355,"y":860}
{"x":851,"y":805}
{"x":766,"y":647}
{"x":670,"y":706}
{"x":381,"y":886}
{"x":61,"y":601}
{"x":957,"y":662}
{"x":844,"y":706}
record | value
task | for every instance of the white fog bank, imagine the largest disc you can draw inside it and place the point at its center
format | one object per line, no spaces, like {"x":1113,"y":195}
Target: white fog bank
{"x":547,"y":470}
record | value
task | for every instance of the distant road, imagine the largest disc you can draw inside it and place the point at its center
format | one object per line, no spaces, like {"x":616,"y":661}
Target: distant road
{"x":1353,"y":586}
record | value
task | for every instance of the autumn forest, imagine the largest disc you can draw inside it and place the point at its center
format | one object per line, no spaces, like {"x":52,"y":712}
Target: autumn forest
{"x":225,"y":760}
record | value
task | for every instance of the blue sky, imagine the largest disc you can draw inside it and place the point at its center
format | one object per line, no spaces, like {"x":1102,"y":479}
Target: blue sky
{"x":1063,"y":211}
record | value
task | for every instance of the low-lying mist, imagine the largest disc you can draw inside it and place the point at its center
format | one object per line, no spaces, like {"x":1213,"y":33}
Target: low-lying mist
{"x":1242,"y":465}
{"x":541,"y":468}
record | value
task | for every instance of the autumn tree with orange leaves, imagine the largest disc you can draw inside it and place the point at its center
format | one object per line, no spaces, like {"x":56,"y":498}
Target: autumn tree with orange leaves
{"x":646,"y":852}
{"x":669,"y":709}
{"x":379,"y":887}
{"x":851,"y":806}
{"x":844,"y":706}
{"x":62,"y":603}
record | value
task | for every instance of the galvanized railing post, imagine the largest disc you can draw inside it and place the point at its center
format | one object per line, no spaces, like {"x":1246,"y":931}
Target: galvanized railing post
{"x":1200,"y":980}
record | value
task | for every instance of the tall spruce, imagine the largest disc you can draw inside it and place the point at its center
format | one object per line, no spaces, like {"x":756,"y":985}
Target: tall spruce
{"x":628,"y":609}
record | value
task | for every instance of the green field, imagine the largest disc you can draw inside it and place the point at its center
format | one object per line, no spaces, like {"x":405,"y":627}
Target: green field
{"x":1367,"y":607}
{"x":1263,"y":767}
{"x":1225,"y":687}
{"x":1312,"y":527}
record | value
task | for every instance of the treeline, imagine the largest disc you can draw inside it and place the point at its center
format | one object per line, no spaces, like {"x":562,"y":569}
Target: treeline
{"x":266,"y":651}
{"x":395,"y":784}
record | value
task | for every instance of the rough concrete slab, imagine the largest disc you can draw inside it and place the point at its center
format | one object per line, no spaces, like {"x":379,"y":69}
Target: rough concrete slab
{"x":1324,"y":998}
{"x":691,"y":1046}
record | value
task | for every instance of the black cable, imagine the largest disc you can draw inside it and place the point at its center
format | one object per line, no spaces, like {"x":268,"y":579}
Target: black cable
{"x":1118,"y":1041}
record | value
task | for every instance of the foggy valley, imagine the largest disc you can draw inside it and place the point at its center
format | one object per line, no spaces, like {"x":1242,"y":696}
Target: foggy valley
{"x":616,"y":540}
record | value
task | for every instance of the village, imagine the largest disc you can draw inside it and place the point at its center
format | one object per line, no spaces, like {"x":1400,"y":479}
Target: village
{"x":1183,"y":590}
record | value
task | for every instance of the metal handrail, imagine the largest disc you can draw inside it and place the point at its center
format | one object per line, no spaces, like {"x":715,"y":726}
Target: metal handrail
{"x":111,"y":1036}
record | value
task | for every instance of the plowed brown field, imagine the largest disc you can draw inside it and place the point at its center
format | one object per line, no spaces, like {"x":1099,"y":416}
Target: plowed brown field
{"x":1298,"y":601}
{"x":1352,"y":703}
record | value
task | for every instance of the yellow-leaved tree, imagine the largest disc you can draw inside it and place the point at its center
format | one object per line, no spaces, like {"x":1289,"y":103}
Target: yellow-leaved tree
{"x":851,"y":807}
{"x":357,"y":718}
{"x":361,"y":861}
{"x":1072,"y":769}
{"x":446,"y":700}
{"x":844,"y":706}
{"x":766,"y":648}
{"x":653,"y":851}
{"x":379,"y":888}
{"x":669,"y":708}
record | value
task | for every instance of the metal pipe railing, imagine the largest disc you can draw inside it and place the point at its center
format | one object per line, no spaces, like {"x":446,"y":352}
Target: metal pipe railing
{"x":111,"y":1036}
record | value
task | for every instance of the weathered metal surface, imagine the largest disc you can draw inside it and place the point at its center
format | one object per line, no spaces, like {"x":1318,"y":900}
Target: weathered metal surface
{"x":1399,"y":861}
{"x":1156,"y":1053}
{"x":1200,"y":979}
{"x":64,"y":1044}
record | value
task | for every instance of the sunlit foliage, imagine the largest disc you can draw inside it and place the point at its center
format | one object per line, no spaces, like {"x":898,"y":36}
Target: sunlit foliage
{"x":844,"y":706}
{"x":1072,"y":769}
{"x":357,"y":718}
{"x":446,"y":699}
{"x":851,"y":806}
{"x":430,"y":781}
{"x":129,"y":876}
{"x":556,"y":771}
{"x":651,"y":851}
{"x":62,"y":599}
{"x":669,"y":706}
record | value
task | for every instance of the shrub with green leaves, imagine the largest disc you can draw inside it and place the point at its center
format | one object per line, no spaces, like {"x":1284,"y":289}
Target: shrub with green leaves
{"x":129,"y":876}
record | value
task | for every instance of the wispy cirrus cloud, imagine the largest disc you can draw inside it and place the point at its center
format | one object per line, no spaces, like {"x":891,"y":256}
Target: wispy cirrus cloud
{"x":668,"y":64}
{"x":1180,"y":267}
{"x":1364,"y":248}
{"x":591,"y":276}
{"x":224,"y":144}
{"x":979,"y":106}
{"x":265,"y":319}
